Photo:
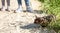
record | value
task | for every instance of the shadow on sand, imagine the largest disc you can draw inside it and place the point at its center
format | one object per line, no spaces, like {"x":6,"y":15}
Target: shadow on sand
{"x":30,"y":26}
{"x":37,"y":28}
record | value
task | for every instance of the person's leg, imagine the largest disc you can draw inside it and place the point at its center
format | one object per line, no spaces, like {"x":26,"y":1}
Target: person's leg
{"x":19,"y":2}
{"x":3,"y":2}
{"x":8,"y":5}
{"x":19,"y":9}
{"x":28,"y":6}
{"x":3,"y":5}
{"x":8,"y":2}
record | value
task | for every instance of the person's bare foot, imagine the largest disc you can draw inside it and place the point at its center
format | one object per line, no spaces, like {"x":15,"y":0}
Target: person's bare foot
{"x":14,"y":11}
{"x":2,"y":9}
{"x":7,"y":10}
{"x":19,"y":10}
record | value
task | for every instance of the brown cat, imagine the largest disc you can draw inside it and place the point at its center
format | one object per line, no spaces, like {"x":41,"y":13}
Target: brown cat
{"x":43,"y":21}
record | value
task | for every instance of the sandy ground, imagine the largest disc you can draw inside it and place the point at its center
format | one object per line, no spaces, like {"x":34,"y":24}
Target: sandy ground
{"x":20,"y":22}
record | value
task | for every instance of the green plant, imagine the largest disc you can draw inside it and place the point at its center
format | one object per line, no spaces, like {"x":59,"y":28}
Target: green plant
{"x":53,"y":7}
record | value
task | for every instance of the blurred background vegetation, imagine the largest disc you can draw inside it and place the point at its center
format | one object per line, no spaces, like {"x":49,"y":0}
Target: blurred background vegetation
{"x":53,"y":7}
